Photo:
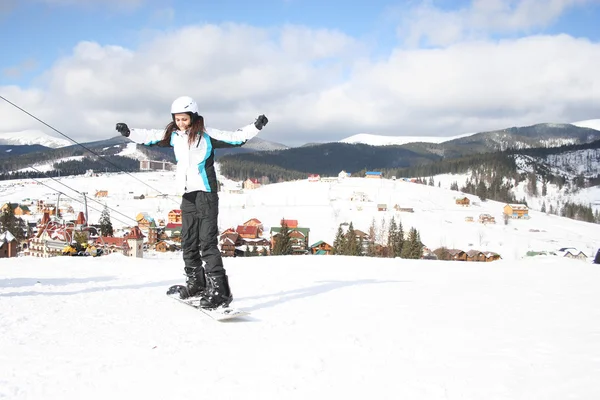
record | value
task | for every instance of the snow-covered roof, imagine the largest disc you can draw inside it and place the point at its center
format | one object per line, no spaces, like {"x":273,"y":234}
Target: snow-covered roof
{"x":6,"y":236}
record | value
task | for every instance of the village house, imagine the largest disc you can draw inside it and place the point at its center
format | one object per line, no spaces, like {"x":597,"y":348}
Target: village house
{"x":228,"y":243}
{"x":403,"y":209}
{"x":130,"y":245}
{"x":151,"y":165}
{"x":475,"y":255}
{"x":8,"y":245}
{"x":173,"y":231}
{"x":373,"y":174}
{"x":381,"y":207}
{"x":517,"y":211}
{"x":571,"y":252}
{"x":174,"y":217}
{"x":486,"y":219}
{"x":343,"y":175}
{"x":247,"y":231}
{"x":298,"y":236}
{"x":469,"y":219}
{"x":165,"y":245}
{"x":101,"y":193}
{"x":18,"y":209}
{"x":255,"y":222}
{"x":251,"y":183}
{"x":321,"y":248}
{"x":314,"y":177}
{"x":148,"y":226}
{"x":443,"y":253}
{"x":463,"y":201}
{"x":491,"y":256}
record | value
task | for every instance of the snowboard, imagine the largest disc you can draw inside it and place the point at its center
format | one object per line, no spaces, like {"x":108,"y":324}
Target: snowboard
{"x":218,"y":314}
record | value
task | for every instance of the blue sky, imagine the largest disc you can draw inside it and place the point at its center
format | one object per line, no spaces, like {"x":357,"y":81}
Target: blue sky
{"x":51,"y":30}
{"x":40,"y":38}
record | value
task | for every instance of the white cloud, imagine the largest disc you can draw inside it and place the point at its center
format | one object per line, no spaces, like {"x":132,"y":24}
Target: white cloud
{"x":314,"y":85}
{"x":438,"y":27}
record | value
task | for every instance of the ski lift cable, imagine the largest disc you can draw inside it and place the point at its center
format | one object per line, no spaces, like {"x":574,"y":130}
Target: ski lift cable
{"x":76,"y":142}
{"x":78,"y":192}
{"x":79,"y":201}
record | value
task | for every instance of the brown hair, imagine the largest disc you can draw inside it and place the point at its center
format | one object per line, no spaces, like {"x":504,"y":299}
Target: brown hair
{"x":196,"y":128}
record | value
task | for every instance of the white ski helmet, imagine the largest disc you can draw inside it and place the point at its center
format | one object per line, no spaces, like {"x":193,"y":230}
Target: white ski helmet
{"x":184,"y":104}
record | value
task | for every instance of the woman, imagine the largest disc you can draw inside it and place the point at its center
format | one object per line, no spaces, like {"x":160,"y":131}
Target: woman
{"x":196,"y":179}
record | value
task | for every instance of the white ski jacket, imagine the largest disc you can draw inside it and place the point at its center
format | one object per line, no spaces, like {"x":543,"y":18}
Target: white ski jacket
{"x":195,"y":163}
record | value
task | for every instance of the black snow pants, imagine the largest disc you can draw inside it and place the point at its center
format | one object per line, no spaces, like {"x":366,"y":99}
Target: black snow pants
{"x":200,"y":232}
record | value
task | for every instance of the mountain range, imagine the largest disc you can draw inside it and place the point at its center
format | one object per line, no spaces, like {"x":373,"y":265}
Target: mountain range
{"x":352,"y":154}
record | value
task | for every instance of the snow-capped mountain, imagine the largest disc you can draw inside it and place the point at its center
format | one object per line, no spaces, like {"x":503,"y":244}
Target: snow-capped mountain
{"x":380,"y":140}
{"x":32,"y":136}
{"x":258,"y":144}
{"x":589,"y":123}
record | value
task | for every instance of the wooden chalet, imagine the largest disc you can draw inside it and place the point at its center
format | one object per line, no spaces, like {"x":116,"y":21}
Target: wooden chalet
{"x":173,"y":231}
{"x":298,"y":236}
{"x":247,"y":231}
{"x":443,"y":253}
{"x":321,"y":248}
{"x":491,"y":256}
{"x":228,"y":243}
{"x":251,"y":183}
{"x":373,"y":174}
{"x":290,"y":223}
{"x":517,"y":211}
{"x":486,"y":219}
{"x":475,"y":255}
{"x":174,"y":217}
{"x":463,"y":201}
{"x":8,"y":245}
{"x":255,"y":222}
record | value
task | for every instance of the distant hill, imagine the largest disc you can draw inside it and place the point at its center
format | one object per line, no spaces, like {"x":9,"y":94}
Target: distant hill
{"x":33,"y":137}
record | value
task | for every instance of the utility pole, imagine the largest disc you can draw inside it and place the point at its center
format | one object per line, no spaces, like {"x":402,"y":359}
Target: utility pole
{"x":57,"y":213}
{"x":86,"y":208}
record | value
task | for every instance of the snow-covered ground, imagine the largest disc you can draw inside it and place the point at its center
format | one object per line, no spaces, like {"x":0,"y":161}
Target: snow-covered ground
{"x":320,"y":326}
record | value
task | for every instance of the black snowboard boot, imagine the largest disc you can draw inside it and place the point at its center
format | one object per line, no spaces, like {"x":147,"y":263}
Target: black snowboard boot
{"x":217,"y":293}
{"x":195,"y":283}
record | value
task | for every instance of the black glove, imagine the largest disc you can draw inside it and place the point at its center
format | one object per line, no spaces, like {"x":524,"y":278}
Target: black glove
{"x":123,"y":129}
{"x":261,"y":121}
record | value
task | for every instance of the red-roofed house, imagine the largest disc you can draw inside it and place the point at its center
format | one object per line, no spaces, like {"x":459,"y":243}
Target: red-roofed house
{"x":290,"y":223}
{"x":251,"y":183}
{"x":247,"y":232}
{"x":175,"y":217}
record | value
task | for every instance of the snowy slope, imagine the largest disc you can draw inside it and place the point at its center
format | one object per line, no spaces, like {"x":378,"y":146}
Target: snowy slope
{"x":323,"y":206}
{"x":590,"y":123}
{"x":320,"y":326}
{"x":29,"y":137}
{"x":379,"y":140}
{"x":332,"y":328}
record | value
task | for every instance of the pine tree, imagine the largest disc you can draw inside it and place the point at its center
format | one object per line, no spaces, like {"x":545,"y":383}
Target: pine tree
{"x":371,"y":248}
{"x":544,"y":188}
{"x":11,"y":223}
{"x":339,"y":243}
{"x":543,"y":207}
{"x":283,"y":244}
{"x":392,"y":242}
{"x":412,"y":248}
{"x":399,"y":240}
{"x":106,"y":228}
{"x":352,"y":243}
